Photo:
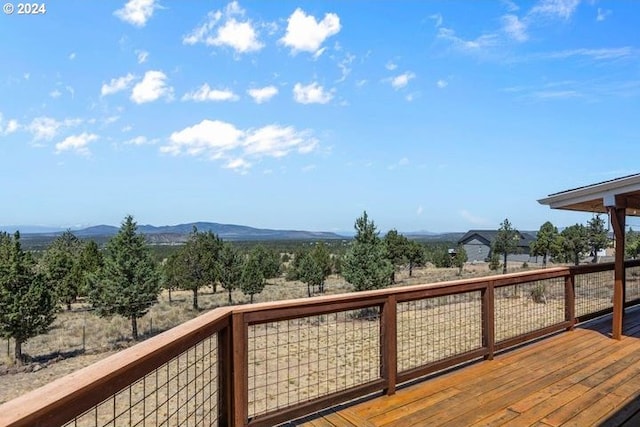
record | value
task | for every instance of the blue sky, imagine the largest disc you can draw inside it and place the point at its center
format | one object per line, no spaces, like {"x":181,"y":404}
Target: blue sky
{"x":430,"y":115}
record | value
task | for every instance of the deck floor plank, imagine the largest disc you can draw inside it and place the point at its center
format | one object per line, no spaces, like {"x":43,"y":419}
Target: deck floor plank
{"x":578,"y":378}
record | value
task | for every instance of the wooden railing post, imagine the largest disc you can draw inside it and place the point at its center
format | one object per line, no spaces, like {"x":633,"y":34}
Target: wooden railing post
{"x":389,"y":344}
{"x":239,"y":372}
{"x":225,"y":379}
{"x":570,"y":299}
{"x":488,"y":320}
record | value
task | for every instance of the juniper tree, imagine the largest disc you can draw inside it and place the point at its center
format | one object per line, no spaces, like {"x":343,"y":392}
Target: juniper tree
{"x":90,"y":264}
{"x":460,"y":258}
{"x":198,"y":263}
{"x":62,"y":266}
{"x":365,"y":265}
{"x":310,"y":272}
{"x":322,"y":258}
{"x":415,"y":255}
{"x":397,"y":247}
{"x":128,"y":283}
{"x":230,"y":269}
{"x":252,"y":279}
{"x":269,"y":261}
{"x":547,"y":242}
{"x":27,"y":305}
{"x":574,"y":242}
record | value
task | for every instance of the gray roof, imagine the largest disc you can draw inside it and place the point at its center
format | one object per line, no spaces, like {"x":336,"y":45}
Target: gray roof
{"x":488,"y":236}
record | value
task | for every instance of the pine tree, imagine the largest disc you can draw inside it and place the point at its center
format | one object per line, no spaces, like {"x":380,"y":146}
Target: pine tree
{"x":596,"y":236}
{"x":365,"y":265}
{"x":230,"y":269}
{"x":506,"y":242}
{"x":27,"y":305}
{"x":128,"y":284}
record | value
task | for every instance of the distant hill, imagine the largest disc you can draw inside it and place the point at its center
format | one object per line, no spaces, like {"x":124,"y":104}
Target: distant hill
{"x":178,"y":233}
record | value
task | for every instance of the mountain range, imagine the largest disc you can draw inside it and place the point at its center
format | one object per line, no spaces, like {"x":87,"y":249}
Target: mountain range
{"x":179,"y":232}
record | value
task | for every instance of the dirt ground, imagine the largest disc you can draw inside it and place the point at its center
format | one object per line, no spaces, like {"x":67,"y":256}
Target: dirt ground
{"x":79,"y":338}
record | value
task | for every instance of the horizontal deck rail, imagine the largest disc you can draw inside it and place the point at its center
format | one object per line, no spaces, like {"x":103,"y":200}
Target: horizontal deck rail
{"x":261,"y":364}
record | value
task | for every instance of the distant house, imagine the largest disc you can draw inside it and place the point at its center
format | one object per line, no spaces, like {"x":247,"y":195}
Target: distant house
{"x":477,"y":244}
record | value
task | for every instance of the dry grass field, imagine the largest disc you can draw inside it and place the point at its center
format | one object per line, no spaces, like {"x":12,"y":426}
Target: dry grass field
{"x":79,"y":338}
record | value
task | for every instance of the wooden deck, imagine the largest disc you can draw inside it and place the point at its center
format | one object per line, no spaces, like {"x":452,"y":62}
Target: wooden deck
{"x":579,"y":378}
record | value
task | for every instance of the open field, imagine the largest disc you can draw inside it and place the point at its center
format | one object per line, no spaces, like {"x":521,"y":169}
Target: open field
{"x":62,"y":351}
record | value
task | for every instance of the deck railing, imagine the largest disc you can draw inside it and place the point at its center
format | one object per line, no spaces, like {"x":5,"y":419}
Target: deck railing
{"x":262,"y":364}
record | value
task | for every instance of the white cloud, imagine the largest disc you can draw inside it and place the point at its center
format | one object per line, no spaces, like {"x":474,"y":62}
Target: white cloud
{"x":442,"y":83}
{"x":514,"y":28}
{"x":479,"y":43}
{"x":11,"y":127}
{"x":400,"y":163}
{"x":391,"y":66}
{"x":210,"y":138}
{"x":142,"y":56}
{"x":239,"y":165}
{"x":214,"y":139}
{"x":241,"y":36}
{"x":555,"y":8}
{"x":77,"y":143}
{"x":55,"y":93}
{"x":140,"y":140}
{"x":603,"y":14}
{"x":306,"y":34}
{"x":402,"y":80}
{"x":437,"y":17}
{"x":137,"y":12}
{"x":308,"y":168}
{"x":277,"y":141}
{"x":263,"y":94}
{"x":152,"y":87}
{"x":602,"y":54}
{"x":345,"y":67}
{"x":510,"y":5}
{"x":72,"y":56}
{"x":223,"y":29}
{"x":312,"y":93}
{"x":205,"y":93}
{"x":46,"y":128}
{"x":117,"y":85}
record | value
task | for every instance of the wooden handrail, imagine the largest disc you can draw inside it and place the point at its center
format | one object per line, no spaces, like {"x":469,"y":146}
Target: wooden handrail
{"x":68,"y":397}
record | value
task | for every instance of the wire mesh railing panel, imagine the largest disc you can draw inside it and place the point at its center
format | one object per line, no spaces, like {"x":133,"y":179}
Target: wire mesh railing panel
{"x":528,"y":307}
{"x":295,"y":361}
{"x":594,"y":292}
{"x":181,"y":392}
{"x":632,"y":276}
{"x":434,"y":329}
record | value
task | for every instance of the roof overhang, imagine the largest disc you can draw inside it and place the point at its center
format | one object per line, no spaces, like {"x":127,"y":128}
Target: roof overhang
{"x":620,"y":192}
